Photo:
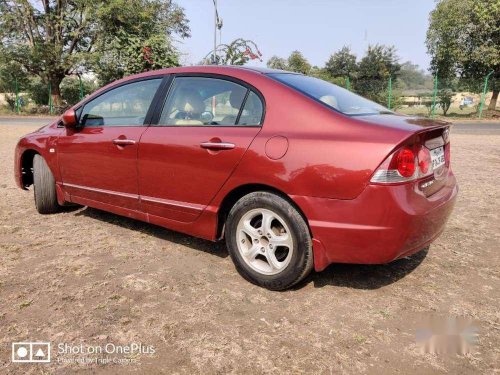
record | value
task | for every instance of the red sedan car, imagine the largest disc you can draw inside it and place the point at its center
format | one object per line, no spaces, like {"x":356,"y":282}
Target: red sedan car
{"x":294,"y":172}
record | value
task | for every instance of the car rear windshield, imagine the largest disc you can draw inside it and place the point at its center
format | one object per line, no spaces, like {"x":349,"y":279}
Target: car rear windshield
{"x":333,"y":96}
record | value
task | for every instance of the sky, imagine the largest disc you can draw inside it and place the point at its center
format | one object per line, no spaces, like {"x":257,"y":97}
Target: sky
{"x":317,"y":28}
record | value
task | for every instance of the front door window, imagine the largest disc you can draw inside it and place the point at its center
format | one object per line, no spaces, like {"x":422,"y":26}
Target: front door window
{"x":125,"y":105}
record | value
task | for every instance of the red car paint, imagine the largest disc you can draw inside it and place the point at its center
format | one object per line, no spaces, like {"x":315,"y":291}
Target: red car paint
{"x":322,"y":160}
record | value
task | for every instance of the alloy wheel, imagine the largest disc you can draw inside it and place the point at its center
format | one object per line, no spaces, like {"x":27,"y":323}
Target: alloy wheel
{"x":264,"y":241}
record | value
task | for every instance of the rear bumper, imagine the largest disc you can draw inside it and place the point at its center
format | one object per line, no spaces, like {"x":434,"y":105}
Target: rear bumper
{"x":382,"y":224}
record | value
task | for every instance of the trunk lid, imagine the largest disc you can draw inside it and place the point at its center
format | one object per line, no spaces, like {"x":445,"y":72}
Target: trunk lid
{"x":432,"y":134}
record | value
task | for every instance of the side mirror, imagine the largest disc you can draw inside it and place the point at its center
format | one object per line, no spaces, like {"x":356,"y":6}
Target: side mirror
{"x":69,"y":119}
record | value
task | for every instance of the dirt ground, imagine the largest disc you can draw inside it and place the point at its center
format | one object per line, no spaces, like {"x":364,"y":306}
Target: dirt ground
{"x":90,"y":278}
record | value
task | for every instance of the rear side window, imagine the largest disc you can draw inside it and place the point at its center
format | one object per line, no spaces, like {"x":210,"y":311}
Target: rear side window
{"x":205,"y":101}
{"x":333,"y":96}
{"x":126,"y":105}
{"x":252,"y":111}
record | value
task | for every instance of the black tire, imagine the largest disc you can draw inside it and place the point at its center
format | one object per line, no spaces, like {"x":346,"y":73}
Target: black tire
{"x":44,"y":187}
{"x":301,"y":259}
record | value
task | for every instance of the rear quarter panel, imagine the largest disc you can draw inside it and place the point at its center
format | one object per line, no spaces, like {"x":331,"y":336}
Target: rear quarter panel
{"x":328,"y":154}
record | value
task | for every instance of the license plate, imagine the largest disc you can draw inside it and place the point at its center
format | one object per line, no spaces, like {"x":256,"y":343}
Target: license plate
{"x":437,"y":157}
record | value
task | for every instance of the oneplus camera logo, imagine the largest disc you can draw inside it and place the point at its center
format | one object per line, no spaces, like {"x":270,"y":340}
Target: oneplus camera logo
{"x":31,"y":352}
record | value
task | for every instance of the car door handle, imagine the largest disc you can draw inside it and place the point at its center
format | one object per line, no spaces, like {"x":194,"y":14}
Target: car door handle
{"x":123,"y":142}
{"x":217,"y":145}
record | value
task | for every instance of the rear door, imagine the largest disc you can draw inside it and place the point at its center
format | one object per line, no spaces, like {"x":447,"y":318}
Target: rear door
{"x":98,"y":160}
{"x":203,"y":128}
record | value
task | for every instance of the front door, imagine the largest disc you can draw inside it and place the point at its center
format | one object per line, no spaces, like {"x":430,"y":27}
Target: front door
{"x":205,"y":127}
{"x":98,"y":160}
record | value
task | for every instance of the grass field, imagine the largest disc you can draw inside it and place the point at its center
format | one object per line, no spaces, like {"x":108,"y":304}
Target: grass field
{"x":453,"y":112}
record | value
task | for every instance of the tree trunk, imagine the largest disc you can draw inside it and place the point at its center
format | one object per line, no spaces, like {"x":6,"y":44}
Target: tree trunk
{"x":493,"y":101}
{"x":55,"y":91}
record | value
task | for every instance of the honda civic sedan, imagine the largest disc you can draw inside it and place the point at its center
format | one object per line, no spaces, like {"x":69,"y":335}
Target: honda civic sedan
{"x":293,"y":172}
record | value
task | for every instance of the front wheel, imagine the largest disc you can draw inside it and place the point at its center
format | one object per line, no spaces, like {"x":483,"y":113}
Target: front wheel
{"x":269,"y":241}
{"x":44,"y":187}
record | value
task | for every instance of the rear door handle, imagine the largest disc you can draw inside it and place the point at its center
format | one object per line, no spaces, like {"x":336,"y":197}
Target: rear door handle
{"x":123,"y":142}
{"x":217,"y":145}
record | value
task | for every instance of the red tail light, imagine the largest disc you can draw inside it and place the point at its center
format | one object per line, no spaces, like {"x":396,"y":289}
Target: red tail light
{"x":423,"y":156}
{"x":405,"y":162}
{"x":447,"y":154}
{"x":424,"y":159}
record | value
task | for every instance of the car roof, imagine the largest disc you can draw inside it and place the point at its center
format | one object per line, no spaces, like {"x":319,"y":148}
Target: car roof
{"x":224,"y":68}
{"x":213,"y":69}
{"x":230,"y":70}
{"x":261,"y":69}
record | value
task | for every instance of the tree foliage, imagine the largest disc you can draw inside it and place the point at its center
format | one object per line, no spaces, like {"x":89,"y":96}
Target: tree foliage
{"x":342,"y":63}
{"x":276,"y":62}
{"x":445,"y":97}
{"x":463,"y":40}
{"x":135,"y":36}
{"x":298,"y":63}
{"x":369,"y":77}
{"x":70,"y":89}
{"x":10,"y":72}
{"x":413,"y":78}
{"x":113,"y":37}
{"x":238,"y":52}
{"x":379,"y":63}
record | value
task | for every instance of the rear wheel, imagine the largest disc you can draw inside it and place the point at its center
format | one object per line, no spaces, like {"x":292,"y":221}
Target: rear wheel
{"x":44,"y":187}
{"x":269,"y":241}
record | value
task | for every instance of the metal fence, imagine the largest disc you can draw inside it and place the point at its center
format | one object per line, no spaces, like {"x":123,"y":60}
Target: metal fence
{"x":470,"y":97}
{"x":442,"y":98}
{"x":19,"y":101}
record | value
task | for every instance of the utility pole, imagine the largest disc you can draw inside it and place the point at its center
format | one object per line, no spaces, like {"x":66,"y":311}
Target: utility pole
{"x":215,"y":32}
{"x":217,"y":25}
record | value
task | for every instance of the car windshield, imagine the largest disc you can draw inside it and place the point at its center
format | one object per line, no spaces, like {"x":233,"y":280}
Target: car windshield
{"x":336,"y":97}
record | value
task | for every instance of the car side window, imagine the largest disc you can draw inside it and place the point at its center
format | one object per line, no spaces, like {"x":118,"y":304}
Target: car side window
{"x":126,"y":105}
{"x":252,"y":110}
{"x":205,"y":101}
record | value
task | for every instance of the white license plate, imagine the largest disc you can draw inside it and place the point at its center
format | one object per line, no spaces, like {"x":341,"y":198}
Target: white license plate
{"x":437,"y":157}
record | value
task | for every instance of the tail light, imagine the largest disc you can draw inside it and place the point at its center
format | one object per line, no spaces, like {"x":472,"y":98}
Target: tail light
{"x":447,"y":154}
{"x":405,"y":162}
{"x":403,"y":165}
{"x":424,"y":160}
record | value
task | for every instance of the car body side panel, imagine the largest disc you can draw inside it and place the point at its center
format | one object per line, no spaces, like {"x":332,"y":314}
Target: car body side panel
{"x":95,"y":168}
{"x":323,"y":161}
{"x":177,"y":177}
{"x":41,"y":141}
{"x":328,"y":154}
{"x":382,"y":224}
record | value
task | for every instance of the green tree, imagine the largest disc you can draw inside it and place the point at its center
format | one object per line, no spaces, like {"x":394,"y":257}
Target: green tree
{"x":445,"y":97}
{"x":136,"y":36}
{"x":113,"y":37}
{"x":276,"y":62}
{"x":70,"y":89}
{"x":10,"y":72}
{"x":379,"y":63}
{"x":463,"y":40}
{"x":38,"y":92}
{"x":238,"y":52}
{"x":323,"y":74}
{"x":342,"y":63}
{"x":298,"y":63}
{"x":413,"y":78}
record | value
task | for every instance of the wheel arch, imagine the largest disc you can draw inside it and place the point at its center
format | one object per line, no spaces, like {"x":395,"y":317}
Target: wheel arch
{"x":239,"y":192}
{"x":27,"y":166}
